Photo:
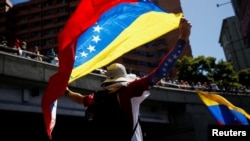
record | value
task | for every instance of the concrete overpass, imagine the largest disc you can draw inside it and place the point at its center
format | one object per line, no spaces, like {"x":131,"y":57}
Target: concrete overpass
{"x":168,"y":114}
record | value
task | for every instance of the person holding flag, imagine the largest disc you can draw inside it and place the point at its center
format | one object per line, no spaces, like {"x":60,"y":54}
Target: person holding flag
{"x":133,"y":91}
{"x":96,"y":34}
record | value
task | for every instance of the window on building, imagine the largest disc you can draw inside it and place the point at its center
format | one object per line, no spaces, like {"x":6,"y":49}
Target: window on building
{"x":48,"y":22}
{"x":36,"y":6}
{"x":48,"y":3}
{"x":61,"y":10}
{"x":35,"y":34}
{"x":35,"y":25}
{"x":61,"y":19}
{"x":23,"y":27}
{"x":48,"y":32}
{"x":61,"y":1}
{"x":48,"y":13}
{"x":35,"y":16}
{"x":49,"y":41}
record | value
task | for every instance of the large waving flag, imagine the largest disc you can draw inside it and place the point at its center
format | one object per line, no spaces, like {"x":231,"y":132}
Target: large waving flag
{"x":97,"y":33}
{"x":223,"y":111}
{"x":119,"y":30}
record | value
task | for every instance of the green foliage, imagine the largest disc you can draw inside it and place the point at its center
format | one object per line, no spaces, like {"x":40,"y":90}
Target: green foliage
{"x":202,"y":69}
{"x":224,"y":71}
{"x":244,"y":77}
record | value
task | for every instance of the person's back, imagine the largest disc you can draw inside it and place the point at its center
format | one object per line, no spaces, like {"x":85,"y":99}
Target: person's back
{"x":105,"y":119}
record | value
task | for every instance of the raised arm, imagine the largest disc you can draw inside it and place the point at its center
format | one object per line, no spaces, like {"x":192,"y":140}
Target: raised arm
{"x":169,"y":60}
{"x":85,"y":100}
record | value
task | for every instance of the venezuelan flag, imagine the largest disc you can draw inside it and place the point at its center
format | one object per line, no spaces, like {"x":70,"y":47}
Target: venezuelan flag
{"x":223,"y":111}
{"x":98,"y":32}
{"x":119,"y":30}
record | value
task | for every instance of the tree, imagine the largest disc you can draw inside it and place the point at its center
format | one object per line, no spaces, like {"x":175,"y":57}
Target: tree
{"x":185,"y":68}
{"x":202,"y":69}
{"x":194,"y":69}
{"x":224,"y":74}
{"x":244,"y":77}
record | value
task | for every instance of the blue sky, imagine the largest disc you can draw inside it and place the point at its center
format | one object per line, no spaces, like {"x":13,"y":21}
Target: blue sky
{"x":206,"y":19}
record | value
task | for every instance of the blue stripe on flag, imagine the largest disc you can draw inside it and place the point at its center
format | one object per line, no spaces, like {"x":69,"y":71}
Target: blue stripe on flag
{"x":92,"y":42}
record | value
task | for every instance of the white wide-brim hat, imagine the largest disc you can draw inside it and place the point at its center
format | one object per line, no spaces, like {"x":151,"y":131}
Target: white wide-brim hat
{"x":117,"y":73}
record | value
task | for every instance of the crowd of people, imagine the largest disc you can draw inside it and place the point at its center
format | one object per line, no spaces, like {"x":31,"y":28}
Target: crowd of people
{"x":20,"y":48}
{"x":205,"y":86}
{"x":181,"y":84}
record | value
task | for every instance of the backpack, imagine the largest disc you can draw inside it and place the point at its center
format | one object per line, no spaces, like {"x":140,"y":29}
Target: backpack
{"x":105,"y":120}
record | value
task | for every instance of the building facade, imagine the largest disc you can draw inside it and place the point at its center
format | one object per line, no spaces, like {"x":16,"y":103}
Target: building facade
{"x":242,"y":12}
{"x":233,"y":46}
{"x":235,"y":35}
{"x":38,"y":22}
{"x":5,"y":6}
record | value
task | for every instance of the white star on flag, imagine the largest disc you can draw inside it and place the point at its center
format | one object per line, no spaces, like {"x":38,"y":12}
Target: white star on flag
{"x":96,"y":39}
{"x":84,"y":54}
{"x":91,"y":48}
{"x":97,"y":29}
